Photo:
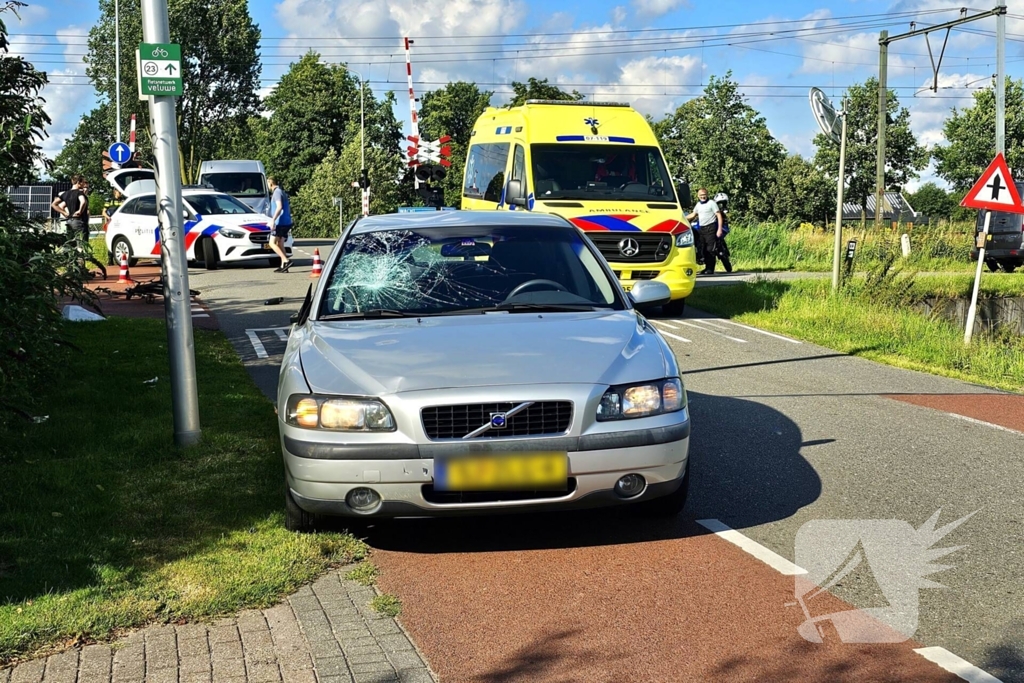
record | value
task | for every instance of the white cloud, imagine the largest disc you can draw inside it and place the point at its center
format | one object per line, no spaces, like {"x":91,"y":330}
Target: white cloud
{"x":651,"y":84}
{"x":657,"y":8}
{"x":619,"y":14}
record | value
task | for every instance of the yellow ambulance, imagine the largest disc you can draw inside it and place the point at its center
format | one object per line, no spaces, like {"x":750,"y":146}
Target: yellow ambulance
{"x":598,"y":165}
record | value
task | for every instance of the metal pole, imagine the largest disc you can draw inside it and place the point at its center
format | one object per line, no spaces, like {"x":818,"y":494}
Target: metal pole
{"x":117,"y":65}
{"x":838,"y":247}
{"x":883,"y":101}
{"x":972,"y":312}
{"x":177,"y":308}
{"x":1001,"y":78}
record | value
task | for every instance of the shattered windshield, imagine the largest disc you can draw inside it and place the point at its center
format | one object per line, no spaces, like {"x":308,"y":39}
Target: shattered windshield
{"x":435,"y":271}
{"x":602,"y":172}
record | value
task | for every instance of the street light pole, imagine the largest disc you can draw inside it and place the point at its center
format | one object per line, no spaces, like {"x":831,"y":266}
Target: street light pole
{"x":117,"y":65}
{"x":177,"y":307}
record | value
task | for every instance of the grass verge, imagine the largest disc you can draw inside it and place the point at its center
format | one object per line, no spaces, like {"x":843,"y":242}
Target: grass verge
{"x":852,"y":322}
{"x":105,"y":525}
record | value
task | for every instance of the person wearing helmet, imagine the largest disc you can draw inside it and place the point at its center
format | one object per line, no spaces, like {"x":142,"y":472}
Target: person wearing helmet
{"x":709,"y":218}
{"x":721,"y":248}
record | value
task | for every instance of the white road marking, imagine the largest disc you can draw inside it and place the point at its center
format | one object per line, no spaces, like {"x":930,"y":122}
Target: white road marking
{"x":720,"y":334}
{"x":754,"y":329}
{"x":776,"y":562}
{"x":985,"y":424}
{"x":282,"y":335}
{"x":708,"y":322}
{"x":955,"y":665}
{"x":200,"y":315}
{"x":257,"y":345}
{"x":669,"y":334}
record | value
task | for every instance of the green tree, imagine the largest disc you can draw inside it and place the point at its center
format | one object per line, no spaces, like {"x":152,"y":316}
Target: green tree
{"x":220,"y":71}
{"x":82,"y":153}
{"x":904,"y":157}
{"x":311,"y":111}
{"x":535,"y":89}
{"x":971,"y":137}
{"x":453,"y":110}
{"x":802,"y":192}
{"x":22,"y":118}
{"x":720,"y":142}
{"x":932,"y":201}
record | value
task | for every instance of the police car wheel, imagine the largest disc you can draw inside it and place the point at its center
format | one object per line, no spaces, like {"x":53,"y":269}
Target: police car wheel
{"x":210,"y":257}
{"x":122,"y":246}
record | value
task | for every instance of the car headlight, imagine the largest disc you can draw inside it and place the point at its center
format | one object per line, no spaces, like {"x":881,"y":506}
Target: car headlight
{"x":339,"y":414}
{"x":229,"y":232}
{"x":642,"y":400}
{"x":685,"y":239}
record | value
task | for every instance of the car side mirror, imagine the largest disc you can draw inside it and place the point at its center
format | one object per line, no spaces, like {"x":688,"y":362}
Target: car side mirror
{"x":514,"y":194}
{"x":683,"y":193}
{"x":649,"y":294}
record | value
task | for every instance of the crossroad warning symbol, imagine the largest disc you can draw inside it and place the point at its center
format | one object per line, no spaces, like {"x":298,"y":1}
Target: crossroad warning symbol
{"x":995,"y":189}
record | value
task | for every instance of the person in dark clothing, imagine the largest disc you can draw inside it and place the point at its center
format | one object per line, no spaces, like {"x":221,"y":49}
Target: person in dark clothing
{"x":73,"y":205}
{"x":721,"y":248}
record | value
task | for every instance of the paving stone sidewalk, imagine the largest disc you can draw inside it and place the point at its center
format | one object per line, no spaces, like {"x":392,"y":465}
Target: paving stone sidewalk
{"x":325,"y":633}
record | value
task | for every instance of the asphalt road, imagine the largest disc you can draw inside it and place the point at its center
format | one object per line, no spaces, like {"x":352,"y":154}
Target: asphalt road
{"x":785,"y":434}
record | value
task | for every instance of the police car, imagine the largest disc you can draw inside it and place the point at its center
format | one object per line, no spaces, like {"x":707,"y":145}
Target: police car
{"x":218,"y":228}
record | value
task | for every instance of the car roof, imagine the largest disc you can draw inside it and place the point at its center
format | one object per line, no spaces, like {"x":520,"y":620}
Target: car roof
{"x":186,"y":192}
{"x":457,"y":219}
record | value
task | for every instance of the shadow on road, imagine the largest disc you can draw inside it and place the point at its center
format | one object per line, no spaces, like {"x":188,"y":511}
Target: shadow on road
{"x":746,"y":467}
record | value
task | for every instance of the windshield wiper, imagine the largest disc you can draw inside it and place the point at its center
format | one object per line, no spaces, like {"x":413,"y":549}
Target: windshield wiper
{"x":371,"y":313}
{"x":512,"y":307}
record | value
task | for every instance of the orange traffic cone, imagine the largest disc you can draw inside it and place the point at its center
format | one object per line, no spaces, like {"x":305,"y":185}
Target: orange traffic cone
{"x":318,"y":266}
{"x":124,"y":278}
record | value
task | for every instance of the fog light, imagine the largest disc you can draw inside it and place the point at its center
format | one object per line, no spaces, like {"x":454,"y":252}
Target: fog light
{"x":363,"y":499}
{"x":630,"y":486}
{"x":689,"y":272}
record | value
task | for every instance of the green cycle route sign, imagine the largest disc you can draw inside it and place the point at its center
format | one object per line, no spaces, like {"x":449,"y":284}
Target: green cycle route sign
{"x":159,"y":68}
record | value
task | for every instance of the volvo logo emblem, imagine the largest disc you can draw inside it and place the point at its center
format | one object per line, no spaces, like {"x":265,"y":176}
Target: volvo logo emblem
{"x":498,"y":421}
{"x":629,"y":247}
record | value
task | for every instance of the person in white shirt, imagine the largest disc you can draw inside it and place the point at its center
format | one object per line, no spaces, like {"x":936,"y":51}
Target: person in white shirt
{"x":709,"y":218}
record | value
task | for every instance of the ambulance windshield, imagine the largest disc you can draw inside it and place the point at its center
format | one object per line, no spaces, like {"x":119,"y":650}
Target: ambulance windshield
{"x":600,"y":172}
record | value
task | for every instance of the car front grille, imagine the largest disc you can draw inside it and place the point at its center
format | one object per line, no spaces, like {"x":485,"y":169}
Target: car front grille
{"x":455,"y":422}
{"x":259,"y":237}
{"x":652,"y":247}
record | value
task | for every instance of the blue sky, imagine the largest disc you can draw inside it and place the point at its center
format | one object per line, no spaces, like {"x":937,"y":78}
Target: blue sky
{"x":654,"y":54}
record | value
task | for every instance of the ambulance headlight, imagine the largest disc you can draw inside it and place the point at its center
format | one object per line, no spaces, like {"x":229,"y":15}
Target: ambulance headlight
{"x":685,"y":239}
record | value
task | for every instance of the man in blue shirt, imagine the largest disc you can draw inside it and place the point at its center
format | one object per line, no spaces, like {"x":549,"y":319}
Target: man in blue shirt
{"x":281,"y":213}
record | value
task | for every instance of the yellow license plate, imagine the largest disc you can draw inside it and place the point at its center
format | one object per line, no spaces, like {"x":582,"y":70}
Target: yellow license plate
{"x":626,"y":288}
{"x":515,"y":471}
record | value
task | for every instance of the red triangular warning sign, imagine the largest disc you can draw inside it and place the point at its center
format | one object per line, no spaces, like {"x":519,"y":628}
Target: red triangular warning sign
{"x":995,"y":189}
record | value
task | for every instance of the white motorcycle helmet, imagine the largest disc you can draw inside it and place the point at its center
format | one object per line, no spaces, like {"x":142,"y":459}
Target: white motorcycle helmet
{"x":721,"y":197}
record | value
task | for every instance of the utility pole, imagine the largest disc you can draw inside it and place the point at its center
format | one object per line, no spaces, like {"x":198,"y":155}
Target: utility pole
{"x":883,"y":53}
{"x":1001,"y":77}
{"x":837,"y":247}
{"x":177,"y":307}
{"x":117,"y":67}
{"x":883,"y":107}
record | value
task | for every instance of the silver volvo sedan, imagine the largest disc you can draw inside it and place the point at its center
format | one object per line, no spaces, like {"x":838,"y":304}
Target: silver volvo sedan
{"x":477,"y":362}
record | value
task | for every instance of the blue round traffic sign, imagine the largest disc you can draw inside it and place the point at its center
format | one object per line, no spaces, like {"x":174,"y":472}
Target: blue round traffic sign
{"x":119,"y":153}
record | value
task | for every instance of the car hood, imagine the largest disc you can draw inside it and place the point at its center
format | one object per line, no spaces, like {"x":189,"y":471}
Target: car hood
{"x":253,"y":221}
{"x":379,"y":357}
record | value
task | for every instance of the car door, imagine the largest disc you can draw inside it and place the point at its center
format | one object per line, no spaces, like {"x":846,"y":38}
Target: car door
{"x":146,"y":230}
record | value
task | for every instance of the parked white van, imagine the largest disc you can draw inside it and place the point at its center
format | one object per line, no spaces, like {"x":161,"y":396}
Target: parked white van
{"x":243,"y":180}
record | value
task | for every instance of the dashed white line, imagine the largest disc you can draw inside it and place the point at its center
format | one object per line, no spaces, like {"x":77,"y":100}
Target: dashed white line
{"x":282,"y":335}
{"x":200,"y":315}
{"x":720,"y":334}
{"x":955,"y":665}
{"x":773,"y":560}
{"x":708,"y":322}
{"x":754,"y":329}
{"x":985,"y":424}
{"x":257,"y":345}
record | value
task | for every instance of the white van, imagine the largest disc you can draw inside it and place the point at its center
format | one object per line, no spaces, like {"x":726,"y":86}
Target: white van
{"x":243,"y":180}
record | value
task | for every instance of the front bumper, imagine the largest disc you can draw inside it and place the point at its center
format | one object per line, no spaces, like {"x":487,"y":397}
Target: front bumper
{"x":679,"y":273}
{"x":320,"y":475}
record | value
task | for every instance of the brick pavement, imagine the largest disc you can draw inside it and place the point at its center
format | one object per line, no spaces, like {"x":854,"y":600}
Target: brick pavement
{"x":324,"y":633}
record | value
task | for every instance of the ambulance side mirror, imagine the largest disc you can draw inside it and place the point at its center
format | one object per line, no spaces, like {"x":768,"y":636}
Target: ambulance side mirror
{"x":514,"y":195}
{"x":683,"y":193}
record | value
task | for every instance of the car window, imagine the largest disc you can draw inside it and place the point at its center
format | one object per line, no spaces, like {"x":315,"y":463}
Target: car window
{"x":146,"y":206}
{"x":453,"y":269}
{"x":485,"y":171}
{"x":601,"y":172}
{"x":216,"y":204}
{"x":130,"y":207}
